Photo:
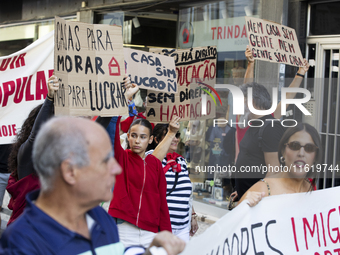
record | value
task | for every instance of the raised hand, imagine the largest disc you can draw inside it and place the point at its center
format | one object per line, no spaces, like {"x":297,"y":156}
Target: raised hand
{"x":303,"y":69}
{"x":249,"y":55}
{"x":53,"y":86}
{"x":131,"y":88}
{"x":174,"y":124}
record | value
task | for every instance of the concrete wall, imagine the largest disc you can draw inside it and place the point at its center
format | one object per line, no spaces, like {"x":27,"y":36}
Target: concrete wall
{"x":25,"y":10}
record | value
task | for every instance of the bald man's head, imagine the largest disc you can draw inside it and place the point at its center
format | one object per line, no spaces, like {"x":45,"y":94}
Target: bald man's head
{"x":60,"y":139}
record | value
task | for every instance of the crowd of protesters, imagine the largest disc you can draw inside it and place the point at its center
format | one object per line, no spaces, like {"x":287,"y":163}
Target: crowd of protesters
{"x":67,"y":166}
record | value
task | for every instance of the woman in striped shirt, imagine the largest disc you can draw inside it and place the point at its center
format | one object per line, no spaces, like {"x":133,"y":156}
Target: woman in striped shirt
{"x":179,"y":187}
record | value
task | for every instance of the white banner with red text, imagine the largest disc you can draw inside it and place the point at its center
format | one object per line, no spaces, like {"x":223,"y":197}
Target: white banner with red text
{"x":23,"y":84}
{"x":302,"y":223}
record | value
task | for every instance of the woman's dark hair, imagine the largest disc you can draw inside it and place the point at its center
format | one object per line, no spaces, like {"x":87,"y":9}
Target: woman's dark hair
{"x":316,"y":139}
{"x":159,"y":132}
{"x":143,"y":122}
{"x":21,"y":137}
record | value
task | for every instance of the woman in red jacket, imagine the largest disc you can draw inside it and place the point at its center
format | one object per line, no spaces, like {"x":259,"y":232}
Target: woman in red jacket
{"x":139,"y":202}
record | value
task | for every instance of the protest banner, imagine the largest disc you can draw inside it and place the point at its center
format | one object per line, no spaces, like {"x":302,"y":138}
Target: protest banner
{"x":196,"y":76}
{"x":270,"y":41}
{"x":301,"y":223}
{"x":151,"y":71}
{"x":89,"y":63}
{"x":23,"y":77}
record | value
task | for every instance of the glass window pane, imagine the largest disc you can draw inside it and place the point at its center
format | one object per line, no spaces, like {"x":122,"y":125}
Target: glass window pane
{"x":17,"y":32}
{"x":330,"y":149}
{"x":321,"y":176}
{"x":329,"y":160}
{"x":325,"y":91}
{"x":334,"y":88}
{"x":337,"y":163}
{"x":311,"y":71}
{"x":325,"y":19}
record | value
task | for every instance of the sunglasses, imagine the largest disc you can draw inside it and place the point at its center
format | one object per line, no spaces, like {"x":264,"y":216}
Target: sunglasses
{"x":309,"y":147}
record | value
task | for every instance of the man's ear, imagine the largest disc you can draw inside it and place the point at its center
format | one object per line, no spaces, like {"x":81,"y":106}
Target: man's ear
{"x":150,"y":139}
{"x":67,"y":171}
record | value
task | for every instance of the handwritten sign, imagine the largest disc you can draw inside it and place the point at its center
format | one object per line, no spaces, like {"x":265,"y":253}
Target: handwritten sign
{"x":273,"y":42}
{"x":196,"y":76}
{"x":89,"y":62}
{"x":284,"y":224}
{"x":151,"y":71}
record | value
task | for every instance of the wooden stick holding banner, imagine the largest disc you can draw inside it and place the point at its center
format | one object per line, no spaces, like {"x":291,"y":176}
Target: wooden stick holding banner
{"x":89,"y":62}
{"x":270,"y":41}
{"x":151,"y":71}
{"x":196,"y":75}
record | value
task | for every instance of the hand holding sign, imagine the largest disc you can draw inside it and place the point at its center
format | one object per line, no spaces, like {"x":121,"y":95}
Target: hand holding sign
{"x":249,"y":55}
{"x":253,"y":197}
{"x":303,"y":69}
{"x":131,"y":88}
{"x":53,"y":86}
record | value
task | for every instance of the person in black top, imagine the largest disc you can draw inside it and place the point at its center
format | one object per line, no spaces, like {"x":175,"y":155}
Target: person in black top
{"x":257,"y":150}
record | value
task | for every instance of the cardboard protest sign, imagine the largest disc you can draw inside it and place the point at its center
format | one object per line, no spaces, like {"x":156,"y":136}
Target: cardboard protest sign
{"x":23,"y":77}
{"x":151,"y":71}
{"x":89,"y":62}
{"x":301,"y":223}
{"x":273,"y":42}
{"x":196,"y":76}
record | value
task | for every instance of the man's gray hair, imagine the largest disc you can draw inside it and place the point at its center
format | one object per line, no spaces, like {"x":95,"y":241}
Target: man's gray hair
{"x":261,"y":97}
{"x":57,"y":141}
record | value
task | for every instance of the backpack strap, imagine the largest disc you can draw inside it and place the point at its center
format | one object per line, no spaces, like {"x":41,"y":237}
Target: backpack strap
{"x":173,"y":187}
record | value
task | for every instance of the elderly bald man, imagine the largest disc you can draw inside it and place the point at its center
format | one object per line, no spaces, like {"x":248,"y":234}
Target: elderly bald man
{"x":74,"y":160}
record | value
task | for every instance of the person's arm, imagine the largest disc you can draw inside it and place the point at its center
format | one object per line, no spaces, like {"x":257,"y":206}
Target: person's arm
{"x":103,"y":121}
{"x":164,"y":221}
{"x":117,"y":147}
{"x":194,"y":224}
{"x":25,"y":164}
{"x":163,"y":147}
{"x":295,"y":84}
{"x":249,"y":75}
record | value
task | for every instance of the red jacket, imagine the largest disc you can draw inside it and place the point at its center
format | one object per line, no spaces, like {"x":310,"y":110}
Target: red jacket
{"x":139,"y":195}
{"x":18,"y":191}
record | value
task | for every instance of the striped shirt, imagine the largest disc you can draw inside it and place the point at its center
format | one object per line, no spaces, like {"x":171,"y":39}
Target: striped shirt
{"x":178,"y":200}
